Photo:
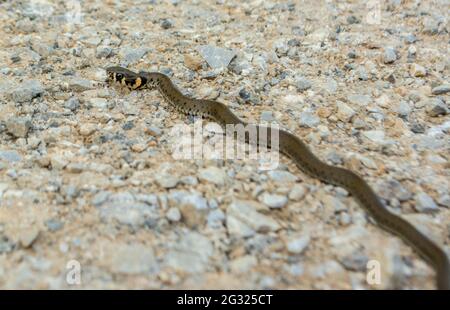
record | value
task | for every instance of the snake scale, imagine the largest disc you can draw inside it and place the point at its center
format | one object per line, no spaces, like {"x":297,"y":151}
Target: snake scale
{"x":307,"y":162}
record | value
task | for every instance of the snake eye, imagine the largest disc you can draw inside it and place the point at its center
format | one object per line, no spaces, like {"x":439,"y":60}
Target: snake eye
{"x":119,"y":76}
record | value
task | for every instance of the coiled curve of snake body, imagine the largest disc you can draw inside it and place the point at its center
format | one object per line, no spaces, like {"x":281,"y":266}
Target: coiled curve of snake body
{"x":298,"y":151}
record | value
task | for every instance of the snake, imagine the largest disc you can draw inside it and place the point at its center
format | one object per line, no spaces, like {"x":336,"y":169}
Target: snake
{"x":298,"y":151}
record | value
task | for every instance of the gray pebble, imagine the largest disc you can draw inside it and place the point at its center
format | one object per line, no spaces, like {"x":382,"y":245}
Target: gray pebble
{"x":54,"y":224}
{"x":213,"y":175}
{"x":216,"y":57}
{"x":297,"y":245}
{"x":389,"y":55}
{"x":355,"y":262}
{"x":72,"y":104}
{"x":425,"y":203}
{"x":274,"y":201}
{"x":267,"y":116}
{"x":166,"y":180}
{"x":393,"y":189}
{"x":436,"y":107}
{"x":191,"y":254}
{"x":403,"y":108}
{"x":361,"y":100}
{"x":441,"y":89}
{"x":27,"y":91}
{"x":79,"y":84}
{"x":173,"y":214}
{"x":166,"y":23}
{"x":18,"y":126}
{"x":131,"y":55}
{"x":10,"y":156}
{"x":302,"y":83}
{"x":216,"y":218}
{"x":103,"y":52}
{"x":410,"y":38}
{"x":309,"y":119}
{"x":281,"y":176}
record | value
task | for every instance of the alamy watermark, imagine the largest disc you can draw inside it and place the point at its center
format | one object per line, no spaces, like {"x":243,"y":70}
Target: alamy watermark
{"x":236,"y":142}
{"x":73,"y":275}
{"x":373,"y":276}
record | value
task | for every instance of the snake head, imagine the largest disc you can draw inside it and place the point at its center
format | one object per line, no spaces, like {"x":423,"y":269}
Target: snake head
{"x":125,"y":77}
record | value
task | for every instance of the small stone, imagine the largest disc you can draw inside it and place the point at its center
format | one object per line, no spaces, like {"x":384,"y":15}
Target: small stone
{"x":393,"y":189}
{"x":436,"y":107}
{"x":362,"y":73}
{"x":309,"y":119}
{"x":425,"y":203}
{"x":333,"y":203}
{"x":103,"y":52}
{"x":417,"y":128}
{"x":18,"y":126}
{"x":376,"y":136}
{"x":352,"y":19}
{"x":243,"y":264}
{"x":10,"y":156}
{"x":441,"y":89}
{"x":297,"y":245}
{"x":297,"y":193}
{"x":87,"y":129}
{"x":418,"y":71}
{"x":191,"y":254}
{"x":194,"y":199}
{"x":216,"y":57}
{"x":274,"y":201}
{"x":54,"y":224}
{"x":193,"y":62}
{"x":244,"y":94}
{"x":100,"y":198}
{"x":331,"y":86}
{"x":166,"y":23}
{"x":216,"y":218}
{"x":430,"y":25}
{"x":132,"y":259}
{"x":99,"y":103}
{"x":72,"y":104}
{"x":302,"y":83}
{"x":444,"y":200}
{"x":389,"y":55}
{"x":403,"y":108}
{"x":139,"y":147}
{"x":355,"y":262}
{"x":361,"y":100}
{"x":213,"y":174}
{"x":267,"y":116}
{"x":173,"y":214}
{"x":344,"y":112}
{"x":154,"y":131}
{"x":77,"y":84}
{"x":131,"y":55}
{"x":27,"y":91}
{"x":243,"y":220}
{"x":166,"y":180}
{"x":29,"y":236}
{"x":410,"y":38}
{"x":281,"y":176}
{"x":123,"y":208}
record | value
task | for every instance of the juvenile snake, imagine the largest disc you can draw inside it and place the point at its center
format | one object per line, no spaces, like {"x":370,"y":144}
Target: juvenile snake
{"x":298,"y":151}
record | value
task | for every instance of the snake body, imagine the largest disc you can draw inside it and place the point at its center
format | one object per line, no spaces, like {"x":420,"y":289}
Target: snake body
{"x":307,"y":162}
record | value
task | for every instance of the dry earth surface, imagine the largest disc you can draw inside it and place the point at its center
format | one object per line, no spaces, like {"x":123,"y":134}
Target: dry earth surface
{"x":87,"y":174}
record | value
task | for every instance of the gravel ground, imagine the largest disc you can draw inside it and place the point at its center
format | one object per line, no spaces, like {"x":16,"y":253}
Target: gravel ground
{"x":88,"y":182}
